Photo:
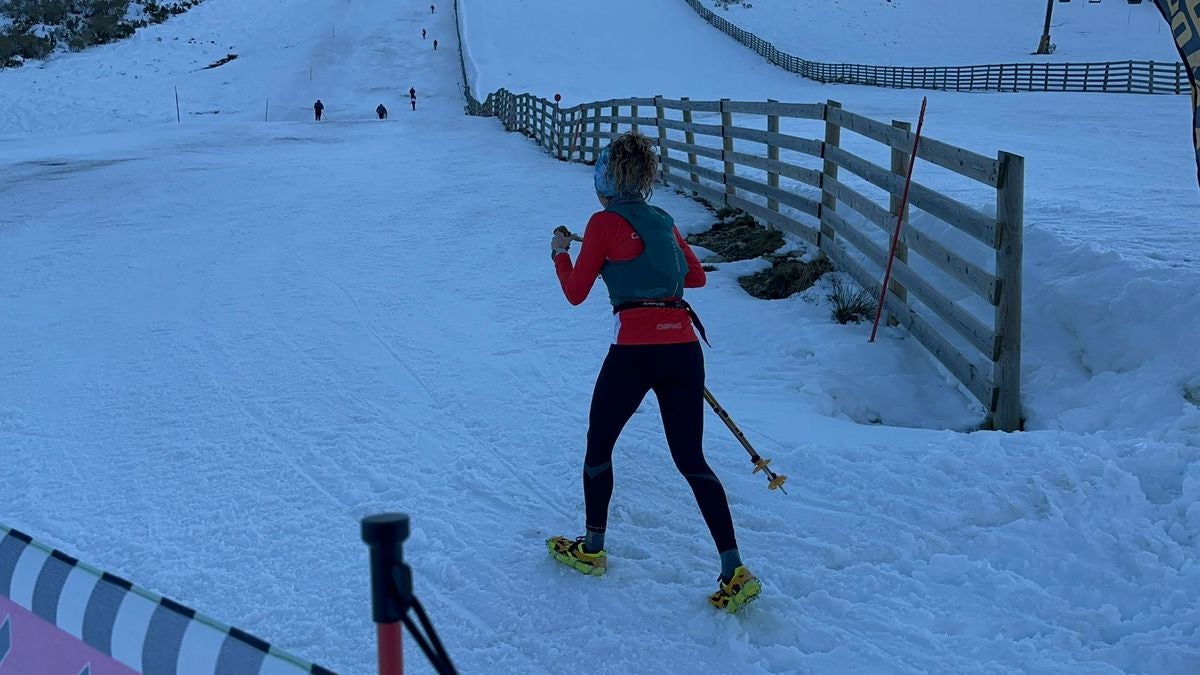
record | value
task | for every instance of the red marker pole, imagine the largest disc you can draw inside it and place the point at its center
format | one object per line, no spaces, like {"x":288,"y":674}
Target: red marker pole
{"x":887,"y":275}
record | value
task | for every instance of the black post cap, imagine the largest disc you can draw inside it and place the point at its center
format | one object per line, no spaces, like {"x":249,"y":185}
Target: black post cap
{"x":385,"y":529}
{"x":391,"y":579}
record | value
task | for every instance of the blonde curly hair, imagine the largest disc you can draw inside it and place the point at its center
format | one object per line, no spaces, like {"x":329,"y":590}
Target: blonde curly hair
{"x":633,"y":163}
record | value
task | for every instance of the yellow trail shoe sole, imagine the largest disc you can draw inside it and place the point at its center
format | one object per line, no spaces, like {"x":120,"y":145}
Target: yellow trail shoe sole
{"x":741,"y":590}
{"x":570,"y":553}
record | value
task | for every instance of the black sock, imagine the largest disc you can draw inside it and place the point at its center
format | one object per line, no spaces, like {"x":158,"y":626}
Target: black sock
{"x":593,"y":542}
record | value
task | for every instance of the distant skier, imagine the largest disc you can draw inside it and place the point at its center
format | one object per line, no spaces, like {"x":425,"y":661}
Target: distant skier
{"x":381,"y":111}
{"x":645,"y":264}
{"x":412,"y":97}
{"x":422,"y":33}
{"x":431,"y":10}
{"x":435,"y":45}
{"x":318,"y":108}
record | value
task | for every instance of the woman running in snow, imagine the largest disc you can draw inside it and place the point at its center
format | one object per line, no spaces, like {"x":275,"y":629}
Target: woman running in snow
{"x":646,"y":264}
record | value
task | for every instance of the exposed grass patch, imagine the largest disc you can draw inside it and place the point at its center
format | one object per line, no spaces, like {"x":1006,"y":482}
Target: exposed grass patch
{"x":220,"y":62}
{"x":736,"y":236}
{"x":851,"y":303}
{"x":786,"y":277}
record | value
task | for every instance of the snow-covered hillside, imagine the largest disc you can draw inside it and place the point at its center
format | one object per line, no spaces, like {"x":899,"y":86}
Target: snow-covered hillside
{"x":36,"y":29}
{"x":955,"y":32}
{"x":226,"y":340}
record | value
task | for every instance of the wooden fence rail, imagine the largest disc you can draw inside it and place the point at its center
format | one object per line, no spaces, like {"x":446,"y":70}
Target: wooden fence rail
{"x":958,"y":293}
{"x":1121,"y":77}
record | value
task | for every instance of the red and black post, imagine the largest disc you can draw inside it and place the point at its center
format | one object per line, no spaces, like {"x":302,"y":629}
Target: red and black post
{"x":392,"y":598}
{"x":391,"y":586}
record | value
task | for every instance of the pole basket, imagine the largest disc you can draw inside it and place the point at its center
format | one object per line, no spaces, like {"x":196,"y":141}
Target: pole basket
{"x":775,"y":481}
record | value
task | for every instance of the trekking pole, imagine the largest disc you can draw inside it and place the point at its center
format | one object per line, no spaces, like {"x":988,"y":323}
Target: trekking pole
{"x":887,"y":275}
{"x":774,"y":481}
{"x":392,"y":597}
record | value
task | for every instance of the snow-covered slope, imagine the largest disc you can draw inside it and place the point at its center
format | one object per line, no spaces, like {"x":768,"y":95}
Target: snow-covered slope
{"x":351,"y":55}
{"x":227,"y":340}
{"x":955,"y":32}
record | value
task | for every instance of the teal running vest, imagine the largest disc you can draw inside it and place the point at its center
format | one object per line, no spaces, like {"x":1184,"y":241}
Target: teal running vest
{"x":659,"y":271}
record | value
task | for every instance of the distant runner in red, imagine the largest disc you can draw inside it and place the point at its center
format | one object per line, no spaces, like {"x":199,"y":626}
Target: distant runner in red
{"x":646,"y":264}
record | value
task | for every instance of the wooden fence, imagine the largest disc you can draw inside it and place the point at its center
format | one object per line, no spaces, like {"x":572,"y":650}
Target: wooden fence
{"x":735,"y":153}
{"x":1123,"y":77}
{"x":729,"y":153}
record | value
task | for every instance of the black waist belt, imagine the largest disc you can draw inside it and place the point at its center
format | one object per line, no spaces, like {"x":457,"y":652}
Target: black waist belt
{"x":666,"y":304}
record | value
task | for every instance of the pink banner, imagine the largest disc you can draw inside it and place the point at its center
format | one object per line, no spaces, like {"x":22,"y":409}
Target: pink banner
{"x":31,"y":646}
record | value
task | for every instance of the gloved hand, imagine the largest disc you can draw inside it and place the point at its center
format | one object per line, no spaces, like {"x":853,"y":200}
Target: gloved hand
{"x":561,"y":242}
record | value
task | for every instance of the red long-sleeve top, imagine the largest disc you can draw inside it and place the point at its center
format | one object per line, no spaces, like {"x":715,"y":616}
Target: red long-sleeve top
{"x":610,"y":237}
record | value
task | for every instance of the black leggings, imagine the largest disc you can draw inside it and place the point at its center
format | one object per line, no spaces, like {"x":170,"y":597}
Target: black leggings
{"x":676,"y":374}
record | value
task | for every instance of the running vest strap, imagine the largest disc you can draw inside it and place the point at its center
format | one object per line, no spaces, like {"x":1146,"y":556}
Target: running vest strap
{"x":679,"y":303}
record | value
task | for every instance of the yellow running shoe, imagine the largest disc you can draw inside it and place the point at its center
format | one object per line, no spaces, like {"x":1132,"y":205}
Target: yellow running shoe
{"x":570,"y":552}
{"x":740,"y":591}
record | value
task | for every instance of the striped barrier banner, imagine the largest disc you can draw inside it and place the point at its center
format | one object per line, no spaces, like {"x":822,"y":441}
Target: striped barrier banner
{"x":61,"y":616}
{"x":1184,"y":17}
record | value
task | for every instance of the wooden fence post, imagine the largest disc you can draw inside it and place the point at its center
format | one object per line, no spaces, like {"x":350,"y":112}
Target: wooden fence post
{"x":689,"y":137}
{"x":543,"y":117}
{"x":900,"y":162}
{"x":613,"y":128}
{"x":535,"y":119}
{"x":773,"y":155}
{"x":596,"y":135}
{"x":1151,"y":77}
{"x":727,"y":150}
{"x":577,"y":134}
{"x":1010,"y":206}
{"x":1129,"y":79}
{"x":829,"y":170}
{"x":557,"y":131}
{"x":659,"y":116}
{"x":633,"y":115}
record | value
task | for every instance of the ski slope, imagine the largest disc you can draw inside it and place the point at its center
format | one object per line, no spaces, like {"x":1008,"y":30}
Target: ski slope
{"x":228,"y":340}
{"x":956,"y":32}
